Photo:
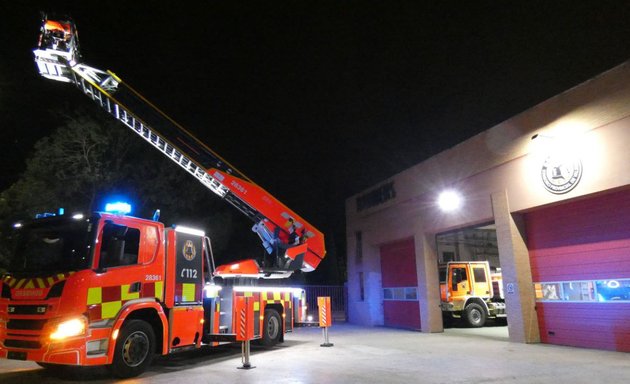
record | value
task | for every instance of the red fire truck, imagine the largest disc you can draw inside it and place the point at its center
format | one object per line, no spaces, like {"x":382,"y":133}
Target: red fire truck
{"x":110,"y":289}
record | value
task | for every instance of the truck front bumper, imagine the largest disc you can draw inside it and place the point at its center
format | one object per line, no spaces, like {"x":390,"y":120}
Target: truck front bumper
{"x":84,"y":350}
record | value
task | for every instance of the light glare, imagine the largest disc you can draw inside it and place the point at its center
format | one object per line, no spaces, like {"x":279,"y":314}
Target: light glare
{"x":69,"y":328}
{"x":190,"y":231}
{"x":449,"y":201}
{"x":118,"y":207}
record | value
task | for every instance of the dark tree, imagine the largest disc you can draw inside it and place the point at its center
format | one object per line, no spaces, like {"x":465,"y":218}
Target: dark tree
{"x":86,"y":160}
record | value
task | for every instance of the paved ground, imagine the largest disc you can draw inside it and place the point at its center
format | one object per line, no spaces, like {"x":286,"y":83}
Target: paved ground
{"x":370,"y":355}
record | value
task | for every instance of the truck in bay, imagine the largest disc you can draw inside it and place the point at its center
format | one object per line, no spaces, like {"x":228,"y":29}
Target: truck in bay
{"x":471,"y":292}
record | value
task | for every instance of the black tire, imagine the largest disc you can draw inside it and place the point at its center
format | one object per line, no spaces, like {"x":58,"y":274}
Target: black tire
{"x":134,"y":351}
{"x":272,"y":328}
{"x":474,"y":315}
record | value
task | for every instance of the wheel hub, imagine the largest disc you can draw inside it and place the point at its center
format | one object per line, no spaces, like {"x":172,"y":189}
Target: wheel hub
{"x":135,"y":349}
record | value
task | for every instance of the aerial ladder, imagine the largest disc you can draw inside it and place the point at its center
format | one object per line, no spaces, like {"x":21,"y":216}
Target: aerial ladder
{"x":58,"y":58}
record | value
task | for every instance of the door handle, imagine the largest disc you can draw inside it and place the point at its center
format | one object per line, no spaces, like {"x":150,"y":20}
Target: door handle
{"x":135,"y":287}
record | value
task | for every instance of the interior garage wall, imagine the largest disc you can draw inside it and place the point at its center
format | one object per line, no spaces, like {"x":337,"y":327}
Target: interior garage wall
{"x":588,"y":239}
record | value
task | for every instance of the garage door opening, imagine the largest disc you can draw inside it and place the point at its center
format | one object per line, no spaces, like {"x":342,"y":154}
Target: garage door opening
{"x":471,"y":286}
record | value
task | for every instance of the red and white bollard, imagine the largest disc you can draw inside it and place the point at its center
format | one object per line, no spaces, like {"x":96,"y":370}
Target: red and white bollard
{"x":325,"y":318}
{"x":245,"y":327}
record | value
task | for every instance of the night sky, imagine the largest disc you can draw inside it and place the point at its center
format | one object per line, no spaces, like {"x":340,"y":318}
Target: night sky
{"x":316,"y":100}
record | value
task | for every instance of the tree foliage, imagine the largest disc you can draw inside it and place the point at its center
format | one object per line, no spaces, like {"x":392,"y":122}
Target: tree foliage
{"x":90,"y":158}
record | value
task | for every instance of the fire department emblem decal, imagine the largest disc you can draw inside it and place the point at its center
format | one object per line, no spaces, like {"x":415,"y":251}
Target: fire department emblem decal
{"x":561,"y":175}
{"x":189,"y":250}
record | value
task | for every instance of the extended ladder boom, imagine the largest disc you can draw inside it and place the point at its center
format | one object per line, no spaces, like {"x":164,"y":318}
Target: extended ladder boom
{"x":57,"y":57}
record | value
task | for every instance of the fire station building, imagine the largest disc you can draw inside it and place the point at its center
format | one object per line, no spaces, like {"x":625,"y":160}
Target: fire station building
{"x":544,"y":197}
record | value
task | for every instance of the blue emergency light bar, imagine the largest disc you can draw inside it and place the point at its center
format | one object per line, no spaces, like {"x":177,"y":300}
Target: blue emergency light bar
{"x":118,"y":208}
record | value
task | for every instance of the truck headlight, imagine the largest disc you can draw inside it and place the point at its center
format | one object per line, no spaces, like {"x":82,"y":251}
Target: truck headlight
{"x":69,"y":328}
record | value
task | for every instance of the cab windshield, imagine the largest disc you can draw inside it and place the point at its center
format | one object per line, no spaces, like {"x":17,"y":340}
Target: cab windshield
{"x":52,"y":245}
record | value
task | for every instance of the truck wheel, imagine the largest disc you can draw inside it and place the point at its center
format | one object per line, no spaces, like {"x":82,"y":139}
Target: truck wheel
{"x":474,"y":315}
{"x":134,"y":349}
{"x":272,"y":328}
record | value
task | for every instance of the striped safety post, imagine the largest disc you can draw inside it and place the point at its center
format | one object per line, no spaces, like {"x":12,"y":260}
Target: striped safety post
{"x":245,"y":327}
{"x":325,"y":318}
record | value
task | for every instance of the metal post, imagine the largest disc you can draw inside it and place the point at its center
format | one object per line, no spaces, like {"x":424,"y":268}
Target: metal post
{"x":326,"y":342}
{"x":245,"y":356}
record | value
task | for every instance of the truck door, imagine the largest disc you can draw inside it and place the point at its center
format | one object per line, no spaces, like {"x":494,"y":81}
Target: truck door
{"x":459,"y":280}
{"x":187,"y":314}
{"x":481,"y":285}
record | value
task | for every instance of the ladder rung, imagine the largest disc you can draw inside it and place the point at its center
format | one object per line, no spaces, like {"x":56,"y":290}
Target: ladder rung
{"x":109,"y":103}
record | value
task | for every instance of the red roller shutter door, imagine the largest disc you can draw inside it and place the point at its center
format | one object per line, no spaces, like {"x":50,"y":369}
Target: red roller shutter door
{"x":583,"y":240}
{"x":398,"y":268}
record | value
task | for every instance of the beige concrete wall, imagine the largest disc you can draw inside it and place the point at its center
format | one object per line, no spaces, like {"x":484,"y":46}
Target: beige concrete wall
{"x":516,"y":270}
{"x":591,"y":121}
{"x":428,"y":293}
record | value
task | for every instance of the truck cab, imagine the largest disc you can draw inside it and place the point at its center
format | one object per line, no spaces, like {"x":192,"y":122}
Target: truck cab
{"x":72,"y":279}
{"x":109,"y":289}
{"x":469,"y":291}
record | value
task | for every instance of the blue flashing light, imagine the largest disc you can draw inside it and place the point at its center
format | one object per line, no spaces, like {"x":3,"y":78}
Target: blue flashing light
{"x":44,"y":215}
{"x":61,"y":211}
{"x":118,"y":207}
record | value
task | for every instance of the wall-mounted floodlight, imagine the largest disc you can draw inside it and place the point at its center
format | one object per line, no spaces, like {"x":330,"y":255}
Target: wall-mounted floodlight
{"x":449,"y":201}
